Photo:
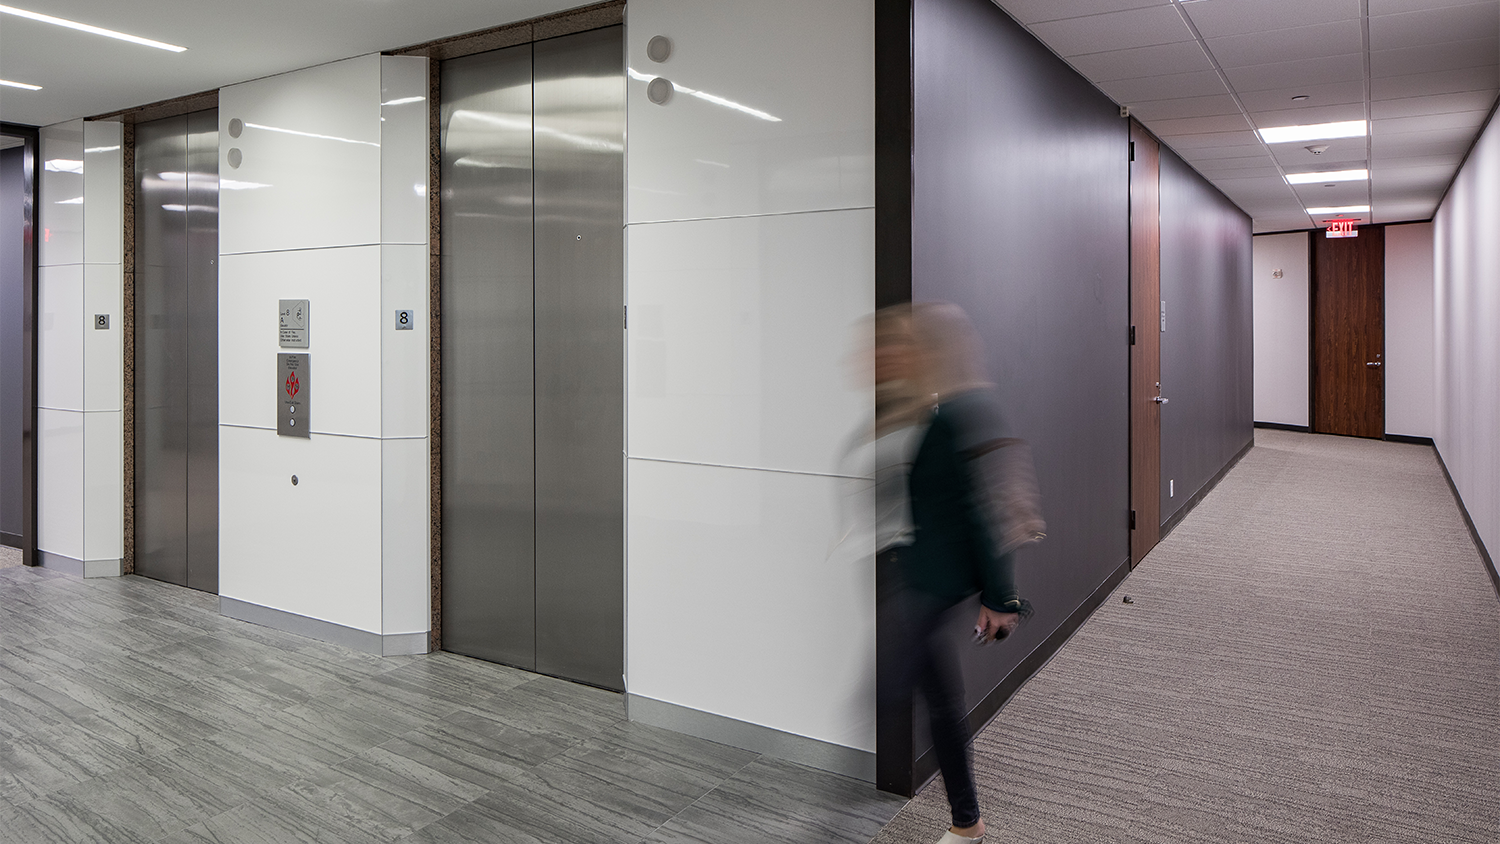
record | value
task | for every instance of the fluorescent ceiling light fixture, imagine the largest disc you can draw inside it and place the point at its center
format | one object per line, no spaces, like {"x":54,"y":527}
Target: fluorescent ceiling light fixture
{"x":405,"y":100}
{"x":83,"y":27}
{"x":1330,"y":176}
{"x":22,"y":85}
{"x":1314,"y":132}
{"x":1339,"y":209}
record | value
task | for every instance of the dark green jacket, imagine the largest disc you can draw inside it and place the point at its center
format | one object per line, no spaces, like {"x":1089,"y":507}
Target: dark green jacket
{"x":953,"y":555}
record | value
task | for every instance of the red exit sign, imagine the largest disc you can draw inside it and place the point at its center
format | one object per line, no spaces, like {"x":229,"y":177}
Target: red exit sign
{"x":1342,"y":228}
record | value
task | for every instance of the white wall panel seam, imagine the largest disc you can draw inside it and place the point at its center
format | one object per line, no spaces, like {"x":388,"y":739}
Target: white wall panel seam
{"x":313,"y":248}
{"x":747,"y":468}
{"x":753,"y":216}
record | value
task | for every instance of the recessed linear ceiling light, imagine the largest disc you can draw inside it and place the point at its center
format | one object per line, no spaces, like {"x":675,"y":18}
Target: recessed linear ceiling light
{"x":1314,"y":132}
{"x":22,"y":85}
{"x":1340,"y":209}
{"x":1330,"y":176}
{"x":83,"y":27}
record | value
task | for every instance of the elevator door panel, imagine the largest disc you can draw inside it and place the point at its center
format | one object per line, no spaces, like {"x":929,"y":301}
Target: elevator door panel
{"x":533,"y":359}
{"x":580,"y":131}
{"x":489,"y":549}
{"x":176,"y":351}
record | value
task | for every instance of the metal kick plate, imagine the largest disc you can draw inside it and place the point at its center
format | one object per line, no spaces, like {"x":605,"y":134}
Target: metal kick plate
{"x":293,"y":388}
{"x":293,"y":324}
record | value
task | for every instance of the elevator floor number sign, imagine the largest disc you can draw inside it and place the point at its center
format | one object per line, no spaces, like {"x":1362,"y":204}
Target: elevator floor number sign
{"x":293,"y":383}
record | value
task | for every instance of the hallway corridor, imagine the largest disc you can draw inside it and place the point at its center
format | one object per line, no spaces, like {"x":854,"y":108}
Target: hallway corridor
{"x":1312,"y":655}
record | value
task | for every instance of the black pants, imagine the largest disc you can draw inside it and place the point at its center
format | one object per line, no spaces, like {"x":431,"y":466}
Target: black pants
{"x":929,"y":664}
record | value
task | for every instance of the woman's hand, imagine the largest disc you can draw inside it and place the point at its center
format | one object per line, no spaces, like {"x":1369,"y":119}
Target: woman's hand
{"x":993,"y":626}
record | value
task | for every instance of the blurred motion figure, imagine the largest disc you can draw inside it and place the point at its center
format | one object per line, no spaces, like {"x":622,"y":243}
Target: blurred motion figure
{"x":954,"y":499}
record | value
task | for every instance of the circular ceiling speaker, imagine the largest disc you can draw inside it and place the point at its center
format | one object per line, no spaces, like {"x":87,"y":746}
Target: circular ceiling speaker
{"x":659,"y":90}
{"x":235,"y":157}
{"x":659,"y":48}
{"x":236,"y":126}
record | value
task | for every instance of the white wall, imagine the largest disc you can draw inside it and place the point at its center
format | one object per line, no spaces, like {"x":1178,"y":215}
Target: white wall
{"x":1281,"y":328}
{"x":1467,"y":304}
{"x":80,"y":463}
{"x":329,"y":204}
{"x":1410,"y":392}
{"x":750,"y":244}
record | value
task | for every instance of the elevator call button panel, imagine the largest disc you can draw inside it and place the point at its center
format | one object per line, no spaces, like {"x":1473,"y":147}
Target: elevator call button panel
{"x":293,"y":389}
{"x":293,"y":324}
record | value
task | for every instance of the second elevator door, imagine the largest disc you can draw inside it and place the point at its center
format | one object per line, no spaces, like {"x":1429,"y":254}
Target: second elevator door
{"x":533,"y":356}
{"x":177,"y":350}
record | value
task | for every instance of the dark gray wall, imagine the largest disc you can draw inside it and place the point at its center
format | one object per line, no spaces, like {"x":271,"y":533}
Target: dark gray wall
{"x":1206,"y":351}
{"x":1020,"y":189}
{"x":12,"y":338}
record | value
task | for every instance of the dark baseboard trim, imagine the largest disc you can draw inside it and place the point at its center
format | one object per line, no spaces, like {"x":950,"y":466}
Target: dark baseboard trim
{"x":1197,"y":497}
{"x":1484,"y":553}
{"x":11,"y":540}
{"x":1403,"y":438}
{"x":982,"y":714}
{"x":1282,"y":426}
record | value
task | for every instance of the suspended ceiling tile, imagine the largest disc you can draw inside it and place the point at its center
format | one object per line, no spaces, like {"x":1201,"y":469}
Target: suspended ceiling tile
{"x":1441,"y":82}
{"x":1183,"y":107}
{"x":1237,"y":168}
{"x":1279,"y":225}
{"x":1220,"y":18}
{"x":1481,"y":101}
{"x":1183,"y":56}
{"x":1264,"y":171}
{"x":1038,"y":11}
{"x":1391,"y":7}
{"x":1197,"y":125}
{"x":1419,"y":143}
{"x":1450,"y":121}
{"x":1198,"y":84}
{"x":1304,"y":116}
{"x":1318,"y":94}
{"x":1114,"y":31}
{"x":1213,"y":140}
{"x":1410,"y":178}
{"x":1396,"y":159}
{"x":1254,"y":189}
{"x":1264,"y":77}
{"x":1281,"y":45}
{"x":1439,"y":26}
{"x":1297,"y":159}
{"x":1403,"y":212}
{"x":1480,"y":52}
{"x":1341,"y":194}
{"x":1214,"y":153}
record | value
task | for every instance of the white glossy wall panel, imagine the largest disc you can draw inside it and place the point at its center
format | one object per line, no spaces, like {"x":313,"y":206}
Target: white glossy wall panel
{"x":103,"y":480}
{"x":742,"y":336}
{"x":343,"y":289}
{"x":740,"y":603}
{"x":103,"y":187}
{"x":1467,"y":305}
{"x":103,"y":349}
{"x":405,"y":373}
{"x":406,"y":574}
{"x":810,"y":66}
{"x":60,"y":353}
{"x":310,"y":174}
{"x":312,"y":549}
{"x":403,"y":149}
{"x":60,"y":189}
{"x":59,"y":485}
{"x":1410,"y":395}
{"x":1281,"y":328}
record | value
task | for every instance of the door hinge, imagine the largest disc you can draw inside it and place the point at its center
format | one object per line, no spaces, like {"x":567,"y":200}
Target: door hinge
{"x":1132,"y":520}
{"x":1132,"y":150}
{"x":626,"y":316}
{"x":1132,"y":335}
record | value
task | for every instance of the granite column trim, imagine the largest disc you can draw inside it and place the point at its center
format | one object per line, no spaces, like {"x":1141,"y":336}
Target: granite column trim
{"x":435,"y":335}
{"x":127,"y":328}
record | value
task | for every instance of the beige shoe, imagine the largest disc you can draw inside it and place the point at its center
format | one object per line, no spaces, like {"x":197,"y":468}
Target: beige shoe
{"x":951,"y":837}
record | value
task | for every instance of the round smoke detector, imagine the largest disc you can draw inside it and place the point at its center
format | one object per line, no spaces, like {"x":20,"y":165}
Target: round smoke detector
{"x":659,"y":48}
{"x":659,"y":90}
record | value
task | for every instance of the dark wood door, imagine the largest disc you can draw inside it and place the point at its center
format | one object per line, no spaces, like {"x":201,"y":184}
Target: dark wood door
{"x":1348,"y":361}
{"x":1145,"y":349}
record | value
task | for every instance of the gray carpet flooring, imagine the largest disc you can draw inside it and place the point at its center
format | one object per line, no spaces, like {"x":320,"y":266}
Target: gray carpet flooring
{"x":1313,"y":655}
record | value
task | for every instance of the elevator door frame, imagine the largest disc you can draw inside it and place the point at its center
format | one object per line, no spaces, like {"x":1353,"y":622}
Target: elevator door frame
{"x":30,"y":224}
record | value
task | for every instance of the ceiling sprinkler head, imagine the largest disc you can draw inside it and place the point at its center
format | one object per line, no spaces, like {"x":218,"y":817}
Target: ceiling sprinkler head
{"x":1318,"y":149}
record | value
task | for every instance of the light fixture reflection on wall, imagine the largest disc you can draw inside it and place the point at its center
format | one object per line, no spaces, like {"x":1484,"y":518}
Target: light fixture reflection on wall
{"x":1315,"y":132}
{"x":89,"y":28}
{"x":706,"y":97}
{"x":1328,"y":176}
{"x":22,"y":85}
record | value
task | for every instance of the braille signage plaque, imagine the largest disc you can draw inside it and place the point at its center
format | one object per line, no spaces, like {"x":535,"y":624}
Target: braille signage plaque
{"x":293,"y":389}
{"x":293,"y":324}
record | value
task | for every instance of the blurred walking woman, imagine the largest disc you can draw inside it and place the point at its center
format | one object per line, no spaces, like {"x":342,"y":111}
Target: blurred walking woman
{"x":961,"y":507}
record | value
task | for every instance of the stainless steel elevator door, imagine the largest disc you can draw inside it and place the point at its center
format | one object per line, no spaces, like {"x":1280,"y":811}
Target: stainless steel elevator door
{"x":176,"y":350}
{"x":533,"y":356}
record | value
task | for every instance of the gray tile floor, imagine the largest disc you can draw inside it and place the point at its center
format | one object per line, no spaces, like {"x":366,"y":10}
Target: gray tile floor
{"x":132,"y":711}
